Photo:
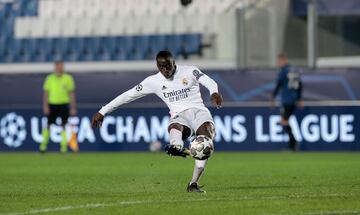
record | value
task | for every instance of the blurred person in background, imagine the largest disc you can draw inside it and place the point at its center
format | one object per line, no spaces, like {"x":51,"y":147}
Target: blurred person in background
{"x":289,"y":84}
{"x":58,"y":101}
{"x":179,"y":87}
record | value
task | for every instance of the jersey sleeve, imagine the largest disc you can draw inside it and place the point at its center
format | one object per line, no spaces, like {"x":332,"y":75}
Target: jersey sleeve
{"x":138,"y":91}
{"x":205,"y":80}
{"x":281,"y":76}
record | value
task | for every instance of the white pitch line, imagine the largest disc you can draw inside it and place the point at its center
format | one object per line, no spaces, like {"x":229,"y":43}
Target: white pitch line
{"x":98,"y":205}
{"x":328,"y":213}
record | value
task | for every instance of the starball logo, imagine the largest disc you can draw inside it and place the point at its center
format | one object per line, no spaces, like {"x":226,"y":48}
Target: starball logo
{"x":12,"y":130}
{"x":177,"y":95}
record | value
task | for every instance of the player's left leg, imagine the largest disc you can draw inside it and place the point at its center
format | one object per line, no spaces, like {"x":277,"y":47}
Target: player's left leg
{"x":286,"y":112}
{"x":207,"y":129}
{"x":51,"y":118}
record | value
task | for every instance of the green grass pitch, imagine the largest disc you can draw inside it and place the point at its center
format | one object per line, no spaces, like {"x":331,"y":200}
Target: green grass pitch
{"x":274,"y":183}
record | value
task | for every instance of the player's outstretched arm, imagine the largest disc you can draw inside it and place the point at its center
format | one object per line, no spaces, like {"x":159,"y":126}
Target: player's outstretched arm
{"x":216,"y":99}
{"x":97,"y":120}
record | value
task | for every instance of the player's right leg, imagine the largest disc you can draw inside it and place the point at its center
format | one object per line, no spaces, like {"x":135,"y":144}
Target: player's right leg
{"x":176,"y":147}
{"x":46,"y":131}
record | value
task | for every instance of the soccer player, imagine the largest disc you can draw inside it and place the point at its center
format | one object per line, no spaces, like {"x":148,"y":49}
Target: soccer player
{"x":178,"y":86}
{"x":59,"y":93}
{"x":289,"y":83}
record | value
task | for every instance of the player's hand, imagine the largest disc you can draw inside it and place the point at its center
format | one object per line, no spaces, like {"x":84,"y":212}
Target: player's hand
{"x":300,"y":104}
{"x":216,"y":99}
{"x":46,"y":110}
{"x":73,"y":111}
{"x":97,"y":120}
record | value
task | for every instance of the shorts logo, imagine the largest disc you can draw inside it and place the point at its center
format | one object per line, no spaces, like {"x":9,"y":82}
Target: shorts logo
{"x":139,"y":87}
{"x":185,"y":82}
{"x":12,"y":130}
{"x":197,"y":74}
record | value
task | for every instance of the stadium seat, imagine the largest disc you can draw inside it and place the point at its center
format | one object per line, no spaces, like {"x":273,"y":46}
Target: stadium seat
{"x":73,"y":50}
{"x":166,"y":24}
{"x":77,"y":8}
{"x":123,"y":47}
{"x":104,"y":49}
{"x":46,"y":9}
{"x":156,"y":44}
{"x":40,"y":54}
{"x":58,"y":47}
{"x":53,"y":27}
{"x":192,"y":43}
{"x":141,"y":48}
{"x":90,"y":49}
{"x":22,"y":28}
{"x":25,"y":50}
{"x":70,"y":27}
{"x":31,"y":7}
{"x":174,"y":44}
{"x":2,"y":47}
{"x":149,"y":24}
{"x":11,"y":50}
{"x":38,"y":27}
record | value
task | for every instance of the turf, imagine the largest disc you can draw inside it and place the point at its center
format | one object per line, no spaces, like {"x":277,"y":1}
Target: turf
{"x":153,"y":183}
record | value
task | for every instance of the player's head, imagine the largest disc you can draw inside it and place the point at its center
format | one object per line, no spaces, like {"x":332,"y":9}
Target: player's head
{"x":59,"y":67}
{"x":282,"y":59}
{"x":166,"y":64}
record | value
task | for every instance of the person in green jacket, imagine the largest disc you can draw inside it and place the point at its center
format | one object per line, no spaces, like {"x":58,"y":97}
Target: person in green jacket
{"x":58,"y":101}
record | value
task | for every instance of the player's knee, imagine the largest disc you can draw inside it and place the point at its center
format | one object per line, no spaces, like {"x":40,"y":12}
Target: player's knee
{"x":176,"y":126}
{"x":207,"y":129}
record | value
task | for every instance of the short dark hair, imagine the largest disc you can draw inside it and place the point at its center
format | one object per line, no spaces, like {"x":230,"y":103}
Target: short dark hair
{"x":164,"y":54}
{"x":282,"y":55}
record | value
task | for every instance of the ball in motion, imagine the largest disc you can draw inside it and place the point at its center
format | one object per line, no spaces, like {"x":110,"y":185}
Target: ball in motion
{"x":201,"y":147}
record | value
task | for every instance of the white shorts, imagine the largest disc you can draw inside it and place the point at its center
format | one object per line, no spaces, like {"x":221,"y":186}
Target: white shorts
{"x":192,"y":118}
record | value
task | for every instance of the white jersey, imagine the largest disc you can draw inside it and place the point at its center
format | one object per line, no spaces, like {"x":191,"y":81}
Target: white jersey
{"x":180,"y":93}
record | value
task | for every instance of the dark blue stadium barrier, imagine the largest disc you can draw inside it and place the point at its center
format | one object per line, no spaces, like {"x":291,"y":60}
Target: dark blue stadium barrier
{"x":238,"y":128}
{"x":235,"y":86}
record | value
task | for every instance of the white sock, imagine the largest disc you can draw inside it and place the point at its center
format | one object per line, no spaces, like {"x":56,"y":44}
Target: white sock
{"x":175,"y":138}
{"x":198,"y":170}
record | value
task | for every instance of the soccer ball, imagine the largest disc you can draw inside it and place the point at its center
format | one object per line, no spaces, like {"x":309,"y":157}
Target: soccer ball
{"x":201,"y":147}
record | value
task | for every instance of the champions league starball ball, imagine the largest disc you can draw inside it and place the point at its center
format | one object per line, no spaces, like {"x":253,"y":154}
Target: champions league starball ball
{"x":201,"y":147}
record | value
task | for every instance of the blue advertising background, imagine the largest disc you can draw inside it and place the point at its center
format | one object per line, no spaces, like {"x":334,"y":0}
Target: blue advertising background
{"x":238,"y":128}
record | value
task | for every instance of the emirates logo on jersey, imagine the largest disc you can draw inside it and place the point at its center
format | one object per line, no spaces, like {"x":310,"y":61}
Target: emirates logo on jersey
{"x":177,"y":95}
